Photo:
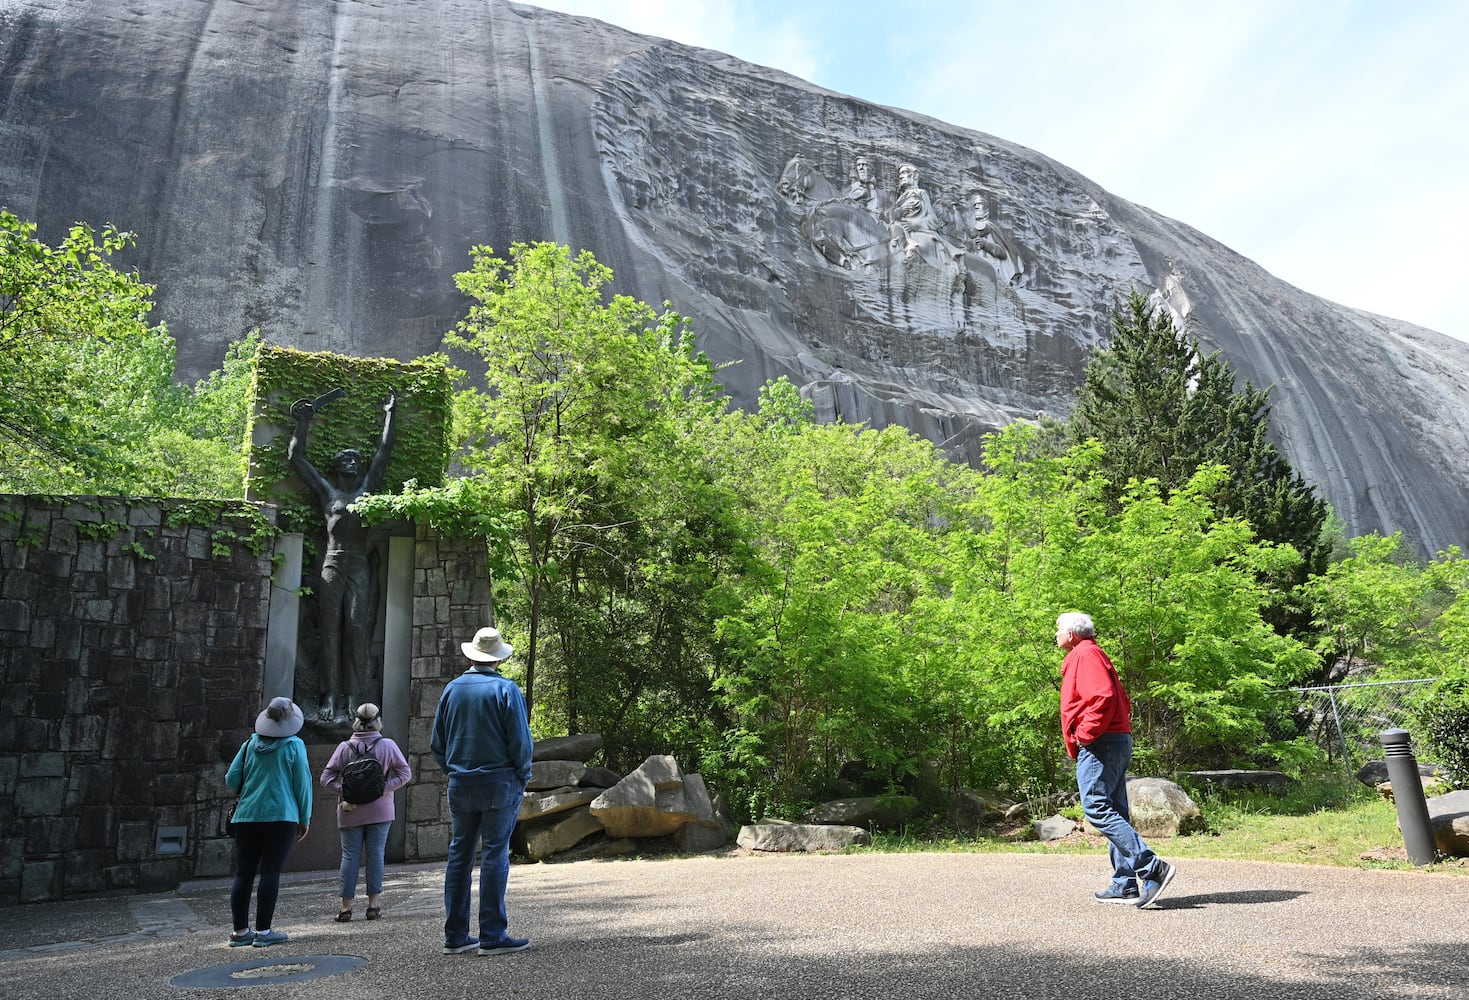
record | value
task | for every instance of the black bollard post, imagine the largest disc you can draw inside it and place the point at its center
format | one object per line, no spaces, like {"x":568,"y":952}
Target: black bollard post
{"x":1407,"y":793}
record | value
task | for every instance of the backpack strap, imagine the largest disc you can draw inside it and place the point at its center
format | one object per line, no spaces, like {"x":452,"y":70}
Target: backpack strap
{"x":361,"y":749}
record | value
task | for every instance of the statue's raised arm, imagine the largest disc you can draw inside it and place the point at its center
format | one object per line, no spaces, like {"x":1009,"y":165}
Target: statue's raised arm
{"x":304,"y":410}
{"x":379,"y":463}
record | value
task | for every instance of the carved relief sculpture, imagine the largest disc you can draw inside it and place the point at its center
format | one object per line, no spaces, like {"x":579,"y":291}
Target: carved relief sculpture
{"x":983,"y":236}
{"x":863,"y":191}
{"x":913,"y":213}
{"x":948,"y":261}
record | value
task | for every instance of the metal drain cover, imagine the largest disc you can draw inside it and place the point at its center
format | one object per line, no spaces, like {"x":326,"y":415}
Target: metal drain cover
{"x":268,"y":972}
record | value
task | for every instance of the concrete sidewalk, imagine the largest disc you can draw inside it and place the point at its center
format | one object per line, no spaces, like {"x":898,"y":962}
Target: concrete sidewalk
{"x":860,"y":926}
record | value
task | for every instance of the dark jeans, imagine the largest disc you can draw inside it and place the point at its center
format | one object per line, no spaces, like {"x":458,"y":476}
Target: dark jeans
{"x":259,"y":848}
{"x":487,"y":813}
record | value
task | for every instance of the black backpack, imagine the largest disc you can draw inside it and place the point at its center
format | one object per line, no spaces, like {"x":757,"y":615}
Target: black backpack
{"x":363,"y":777}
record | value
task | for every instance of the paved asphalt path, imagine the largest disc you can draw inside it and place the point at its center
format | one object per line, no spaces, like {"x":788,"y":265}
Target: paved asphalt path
{"x":871,"y":926}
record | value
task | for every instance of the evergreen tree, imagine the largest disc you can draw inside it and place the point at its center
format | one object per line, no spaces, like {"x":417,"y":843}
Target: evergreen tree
{"x":1161,"y":409}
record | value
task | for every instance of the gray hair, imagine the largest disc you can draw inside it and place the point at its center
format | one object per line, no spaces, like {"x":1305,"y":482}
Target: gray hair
{"x":1078,"y":624}
{"x":369,"y":718}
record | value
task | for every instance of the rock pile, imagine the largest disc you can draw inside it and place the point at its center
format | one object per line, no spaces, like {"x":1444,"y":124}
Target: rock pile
{"x":573,"y":810}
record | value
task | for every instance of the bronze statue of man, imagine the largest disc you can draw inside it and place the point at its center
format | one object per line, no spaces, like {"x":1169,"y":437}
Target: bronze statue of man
{"x":345,"y":590}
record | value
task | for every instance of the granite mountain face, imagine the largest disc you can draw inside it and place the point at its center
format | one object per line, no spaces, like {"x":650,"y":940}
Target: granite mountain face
{"x":320,"y":170}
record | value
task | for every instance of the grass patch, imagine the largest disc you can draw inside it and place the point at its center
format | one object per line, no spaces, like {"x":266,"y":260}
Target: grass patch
{"x":1326,"y":823}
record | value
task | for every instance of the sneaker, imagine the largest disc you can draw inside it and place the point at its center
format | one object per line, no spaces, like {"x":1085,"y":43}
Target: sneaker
{"x":1119,"y":894}
{"x":264,"y":939}
{"x":460,"y":949}
{"x":1152,"y":888}
{"x":504,"y":946}
{"x":242,"y":939}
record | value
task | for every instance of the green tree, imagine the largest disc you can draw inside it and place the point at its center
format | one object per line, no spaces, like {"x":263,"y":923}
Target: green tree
{"x":1386,"y":612}
{"x":590,"y":428}
{"x":1162,"y":409}
{"x":1013,"y":551}
{"x":70,"y":325}
{"x":1176,"y":592}
{"x":190,"y":441}
{"x":1180,"y":590}
{"x":817,"y":665}
{"x":90,"y":403}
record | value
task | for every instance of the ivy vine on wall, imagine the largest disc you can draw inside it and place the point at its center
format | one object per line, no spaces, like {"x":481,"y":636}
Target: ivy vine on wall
{"x":284,"y":375}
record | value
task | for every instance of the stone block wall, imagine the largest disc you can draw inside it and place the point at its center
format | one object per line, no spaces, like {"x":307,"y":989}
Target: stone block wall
{"x":451,"y":601}
{"x":131,"y":658}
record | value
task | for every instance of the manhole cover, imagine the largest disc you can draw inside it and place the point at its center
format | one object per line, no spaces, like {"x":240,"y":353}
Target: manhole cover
{"x":268,"y":971}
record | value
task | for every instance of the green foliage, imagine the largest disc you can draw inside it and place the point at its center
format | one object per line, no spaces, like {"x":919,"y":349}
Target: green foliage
{"x":1446,"y":728}
{"x":814,"y":653}
{"x":1162,"y":410}
{"x":234,"y":523}
{"x":461,"y":508}
{"x":57,"y":306}
{"x":899,"y":609}
{"x":589,"y":435}
{"x":1174,"y":590}
{"x":1383,"y":609}
{"x":90,"y":405}
{"x":283,"y":375}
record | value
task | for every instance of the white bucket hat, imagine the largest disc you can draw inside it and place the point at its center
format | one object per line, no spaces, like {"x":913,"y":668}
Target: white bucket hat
{"x":280,"y":718}
{"x":487,"y":646}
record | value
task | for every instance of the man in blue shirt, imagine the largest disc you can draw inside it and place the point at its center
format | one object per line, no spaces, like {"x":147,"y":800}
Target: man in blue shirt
{"x":482,"y":741}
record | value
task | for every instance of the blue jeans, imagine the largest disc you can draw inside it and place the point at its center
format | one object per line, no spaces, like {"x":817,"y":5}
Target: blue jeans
{"x":375,"y":837}
{"x":481,"y":813}
{"x":1101,"y":777}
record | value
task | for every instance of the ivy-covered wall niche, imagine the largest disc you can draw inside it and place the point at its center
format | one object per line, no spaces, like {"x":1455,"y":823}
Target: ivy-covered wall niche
{"x":284,"y":375}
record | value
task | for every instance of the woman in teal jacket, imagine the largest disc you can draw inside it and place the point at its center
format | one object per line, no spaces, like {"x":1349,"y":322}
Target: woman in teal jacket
{"x":274,"y":781}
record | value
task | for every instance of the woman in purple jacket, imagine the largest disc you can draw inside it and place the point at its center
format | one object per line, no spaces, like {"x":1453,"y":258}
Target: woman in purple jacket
{"x":365,"y":826}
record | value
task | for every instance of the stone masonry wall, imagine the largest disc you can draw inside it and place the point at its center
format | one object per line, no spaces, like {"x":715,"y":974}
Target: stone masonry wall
{"x":451,"y":601}
{"x":131,"y":659}
{"x":131,"y":667}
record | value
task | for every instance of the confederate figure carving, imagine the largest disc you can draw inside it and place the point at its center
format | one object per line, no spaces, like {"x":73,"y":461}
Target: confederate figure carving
{"x":981,"y":234}
{"x":343,"y":599}
{"x":863,"y":190}
{"x":844,"y":234}
{"x":921,"y":227}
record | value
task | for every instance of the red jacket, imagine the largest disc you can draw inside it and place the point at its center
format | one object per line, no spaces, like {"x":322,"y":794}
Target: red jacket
{"x":1092,"y":699}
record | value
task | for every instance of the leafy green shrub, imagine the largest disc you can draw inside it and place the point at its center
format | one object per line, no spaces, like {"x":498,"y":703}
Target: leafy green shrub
{"x":1446,"y":729}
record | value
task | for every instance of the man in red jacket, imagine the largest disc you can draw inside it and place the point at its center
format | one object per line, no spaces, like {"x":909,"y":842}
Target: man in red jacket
{"x":1097,"y":727}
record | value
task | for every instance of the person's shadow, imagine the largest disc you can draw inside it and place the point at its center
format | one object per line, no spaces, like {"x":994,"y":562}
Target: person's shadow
{"x":1245,"y":897}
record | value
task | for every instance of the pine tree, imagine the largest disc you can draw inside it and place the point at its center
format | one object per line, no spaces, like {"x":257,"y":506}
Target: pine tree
{"x":1161,"y":408}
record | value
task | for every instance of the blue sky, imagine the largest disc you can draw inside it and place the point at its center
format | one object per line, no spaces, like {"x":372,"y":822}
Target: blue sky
{"x":1327,"y":140}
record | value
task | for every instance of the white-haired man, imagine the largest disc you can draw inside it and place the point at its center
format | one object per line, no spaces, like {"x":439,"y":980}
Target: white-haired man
{"x":1096,"y":724}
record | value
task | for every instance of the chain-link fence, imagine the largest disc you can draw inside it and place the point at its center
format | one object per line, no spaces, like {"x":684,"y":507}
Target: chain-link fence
{"x":1345,"y":719}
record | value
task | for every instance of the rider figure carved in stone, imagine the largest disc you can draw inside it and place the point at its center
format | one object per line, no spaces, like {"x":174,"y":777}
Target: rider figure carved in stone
{"x":863,"y":191}
{"x":913,"y":213}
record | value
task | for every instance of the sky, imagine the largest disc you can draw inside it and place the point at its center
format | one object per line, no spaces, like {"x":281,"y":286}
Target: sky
{"x":1326,"y":140}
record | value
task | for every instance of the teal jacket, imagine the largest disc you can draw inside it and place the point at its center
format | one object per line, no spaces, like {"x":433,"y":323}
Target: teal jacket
{"x":273,"y":779}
